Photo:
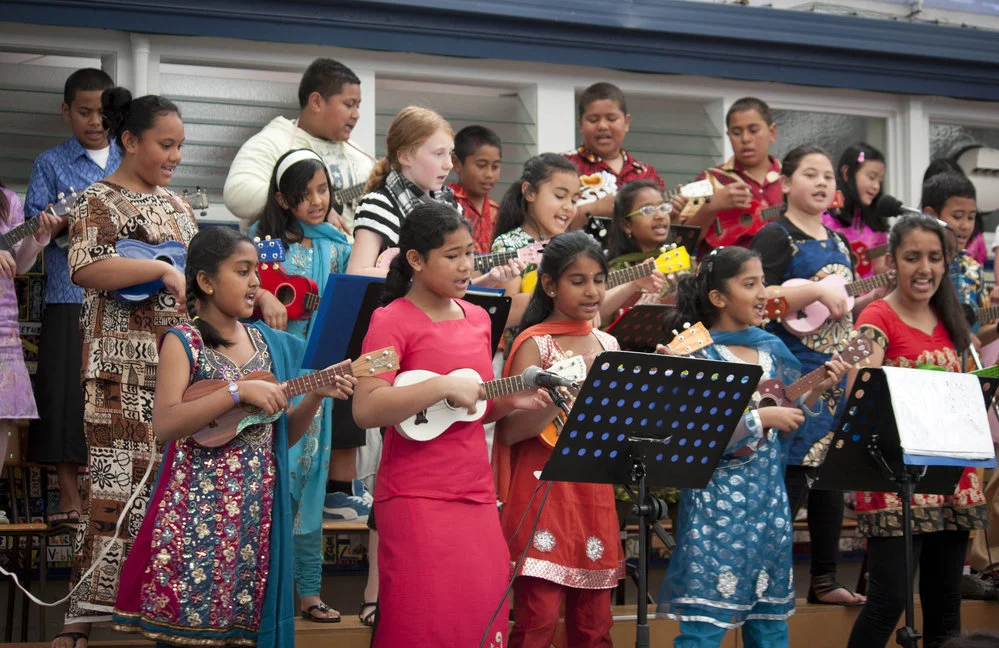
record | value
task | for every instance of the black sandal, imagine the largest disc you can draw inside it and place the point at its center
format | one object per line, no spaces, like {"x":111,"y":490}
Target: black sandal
{"x":823,"y":585}
{"x":75,"y":636}
{"x":369,"y":618}
{"x":309,"y":616}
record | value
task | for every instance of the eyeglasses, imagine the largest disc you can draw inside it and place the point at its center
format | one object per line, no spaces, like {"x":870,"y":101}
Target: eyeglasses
{"x":651,"y":210}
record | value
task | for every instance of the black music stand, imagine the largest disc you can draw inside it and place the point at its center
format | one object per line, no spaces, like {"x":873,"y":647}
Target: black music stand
{"x":865,"y":454}
{"x":640,"y":328}
{"x":651,"y":420}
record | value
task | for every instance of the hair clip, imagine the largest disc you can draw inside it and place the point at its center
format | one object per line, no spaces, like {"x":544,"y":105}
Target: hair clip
{"x":862,"y":157}
{"x":195,"y":319}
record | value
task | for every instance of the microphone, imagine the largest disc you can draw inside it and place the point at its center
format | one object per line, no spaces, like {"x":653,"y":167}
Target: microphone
{"x":537,"y":377}
{"x":888,"y":206}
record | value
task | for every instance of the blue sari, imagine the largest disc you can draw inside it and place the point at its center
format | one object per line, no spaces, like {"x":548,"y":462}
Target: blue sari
{"x":732,"y":563}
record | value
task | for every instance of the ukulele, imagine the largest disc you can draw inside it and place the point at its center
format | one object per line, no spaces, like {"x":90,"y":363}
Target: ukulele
{"x":483,"y":262}
{"x":298,"y":293}
{"x":773,"y":393}
{"x":60,"y":208}
{"x":810,"y":318}
{"x":349,"y":194}
{"x":226,"y":427}
{"x":980,"y":315}
{"x":774,"y":310}
{"x":734,"y":225}
{"x":172,"y":252}
{"x":695,"y":192}
{"x":198,"y":200}
{"x":691,"y":339}
{"x":430,"y":423}
{"x":866,"y":255}
{"x":671,"y":259}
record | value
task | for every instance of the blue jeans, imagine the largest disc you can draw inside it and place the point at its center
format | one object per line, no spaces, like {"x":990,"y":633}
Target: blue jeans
{"x":756,"y":633}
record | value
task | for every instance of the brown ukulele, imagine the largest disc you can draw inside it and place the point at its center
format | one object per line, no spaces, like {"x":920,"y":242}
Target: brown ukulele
{"x":773,"y":393}
{"x":226,"y":427}
{"x":691,"y":339}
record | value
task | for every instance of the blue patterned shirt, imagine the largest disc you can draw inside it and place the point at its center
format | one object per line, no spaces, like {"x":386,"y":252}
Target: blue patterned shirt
{"x":54,"y":172}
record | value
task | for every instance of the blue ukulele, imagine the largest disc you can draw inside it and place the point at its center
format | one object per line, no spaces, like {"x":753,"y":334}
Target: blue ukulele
{"x":173,"y":252}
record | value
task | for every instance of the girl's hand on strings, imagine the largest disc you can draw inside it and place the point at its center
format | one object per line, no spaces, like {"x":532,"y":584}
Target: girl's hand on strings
{"x":836,"y":368}
{"x":266,"y":395}
{"x":341,"y":389}
{"x":501,"y":275}
{"x":8,"y":268}
{"x":785,"y":419}
{"x":462,"y":392}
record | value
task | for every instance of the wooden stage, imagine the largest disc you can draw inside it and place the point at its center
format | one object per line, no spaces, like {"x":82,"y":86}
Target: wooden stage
{"x":813,"y":626}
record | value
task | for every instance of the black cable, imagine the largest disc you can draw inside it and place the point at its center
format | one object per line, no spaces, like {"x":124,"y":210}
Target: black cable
{"x":523,"y":556}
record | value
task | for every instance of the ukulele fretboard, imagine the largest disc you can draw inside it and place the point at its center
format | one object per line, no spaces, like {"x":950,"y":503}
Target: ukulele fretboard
{"x":485,"y":262}
{"x":313,"y":381}
{"x":867,"y":285}
{"x":504,"y":386}
{"x":25,"y":229}
{"x":624,"y":275}
{"x":311,"y":301}
{"x":986,"y":315}
{"x":348,"y":195}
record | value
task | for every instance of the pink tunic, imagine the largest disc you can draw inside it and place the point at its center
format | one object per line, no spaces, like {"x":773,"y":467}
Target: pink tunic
{"x":444,"y":564}
{"x":861,"y":238}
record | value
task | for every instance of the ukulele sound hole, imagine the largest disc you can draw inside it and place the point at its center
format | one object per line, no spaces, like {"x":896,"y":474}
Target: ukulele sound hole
{"x":165,"y":259}
{"x":285,"y":294}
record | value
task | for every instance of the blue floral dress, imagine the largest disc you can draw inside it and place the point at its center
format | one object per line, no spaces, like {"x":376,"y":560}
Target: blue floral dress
{"x":732,"y":562}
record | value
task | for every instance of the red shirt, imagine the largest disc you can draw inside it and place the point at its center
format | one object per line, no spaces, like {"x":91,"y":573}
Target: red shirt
{"x":598,"y":179}
{"x":454,"y":466}
{"x":769,"y":193}
{"x":483,"y":222}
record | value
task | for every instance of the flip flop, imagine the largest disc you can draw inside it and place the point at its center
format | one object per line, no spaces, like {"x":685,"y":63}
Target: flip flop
{"x":75,"y":636}
{"x":369,"y":617}
{"x":322,"y":607}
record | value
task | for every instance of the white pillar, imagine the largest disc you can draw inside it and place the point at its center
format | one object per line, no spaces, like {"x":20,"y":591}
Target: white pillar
{"x":552,"y":104}
{"x":916,"y":151}
{"x":140,"y":65}
{"x":364,"y":132}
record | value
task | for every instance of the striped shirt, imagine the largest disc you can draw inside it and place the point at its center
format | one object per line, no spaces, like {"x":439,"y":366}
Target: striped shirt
{"x":378,"y":212}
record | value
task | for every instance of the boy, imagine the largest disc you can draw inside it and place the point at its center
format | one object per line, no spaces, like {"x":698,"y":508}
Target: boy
{"x":751,"y":173}
{"x":329,"y":96}
{"x":86,"y":157}
{"x":477,"y":155}
{"x":951,"y":198}
{"x":603,"y":165}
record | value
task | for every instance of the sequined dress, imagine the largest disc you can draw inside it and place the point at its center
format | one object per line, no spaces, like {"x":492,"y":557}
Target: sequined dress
{"x":577,"y":542}
{"x":207,"y":562}
{"x":732,"y":561}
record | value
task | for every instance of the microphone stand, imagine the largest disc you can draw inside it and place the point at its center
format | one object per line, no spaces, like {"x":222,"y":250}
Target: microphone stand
{"x":558,"y":399}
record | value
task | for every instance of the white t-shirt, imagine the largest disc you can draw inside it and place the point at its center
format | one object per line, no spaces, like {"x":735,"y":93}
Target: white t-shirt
{"x":100,"y":156}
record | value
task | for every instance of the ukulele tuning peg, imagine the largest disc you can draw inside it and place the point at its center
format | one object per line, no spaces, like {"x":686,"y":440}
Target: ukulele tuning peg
{"x":676,"y":332}
{"x":686,"y":325}
{"x":267,"y":238}
{"x":256,"y":239}
{"x":371,"y":370}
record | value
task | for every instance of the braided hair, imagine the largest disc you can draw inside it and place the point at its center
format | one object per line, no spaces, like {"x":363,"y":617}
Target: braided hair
{"x":425,"y":229}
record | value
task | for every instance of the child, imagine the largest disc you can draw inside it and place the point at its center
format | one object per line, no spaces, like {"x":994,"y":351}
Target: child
{"x":296,"y":214}
{"x":329,"y":98}
{"x":602,"y":164}
{"x":119,"y":339}
{"x":798,"y":245}
{"x":751,"y":173}
{"x":233,"y":587}
{"x":476,"y":158}
{"x":640,"y":229}
{"x":537,"y":207}
{"x":576,"y":553}
{"x":976,"y":244}
{"x":919,"y":322}
{"x":444,"y":564}
{"x":712,"y":584}
{"x":859,"y":176}
{"x":86,"y":157}
{"x":951,"y":198}
{"x":16,"y":399}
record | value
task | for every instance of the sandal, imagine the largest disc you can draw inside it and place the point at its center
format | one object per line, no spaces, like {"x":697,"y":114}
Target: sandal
{"x":58,"y":518}
{"x":369,"y":617}
{"x":823,"y":585}
{"x":75,"y":636}
{"x":322,"y":607}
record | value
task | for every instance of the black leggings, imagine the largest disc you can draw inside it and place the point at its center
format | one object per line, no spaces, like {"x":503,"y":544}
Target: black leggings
{"x":940,"y":559}
{"x":825,"y":519}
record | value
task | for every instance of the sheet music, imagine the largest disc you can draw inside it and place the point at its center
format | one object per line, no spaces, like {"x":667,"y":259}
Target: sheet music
{"x":939,"y":414}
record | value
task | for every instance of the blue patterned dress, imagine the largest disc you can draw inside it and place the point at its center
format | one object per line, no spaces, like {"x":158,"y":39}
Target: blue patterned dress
{"x":206,"y":566}
{"x":732,"y":562}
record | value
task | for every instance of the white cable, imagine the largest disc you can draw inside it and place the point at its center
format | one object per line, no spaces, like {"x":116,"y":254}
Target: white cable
{"x":110,"y":545}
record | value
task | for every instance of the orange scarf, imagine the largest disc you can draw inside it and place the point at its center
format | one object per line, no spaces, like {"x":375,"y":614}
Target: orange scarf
{"x":502,"y":469}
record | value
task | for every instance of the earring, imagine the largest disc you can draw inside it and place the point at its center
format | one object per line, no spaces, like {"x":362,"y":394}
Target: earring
{"x":211,"y":291}
{"x":552,"y":293}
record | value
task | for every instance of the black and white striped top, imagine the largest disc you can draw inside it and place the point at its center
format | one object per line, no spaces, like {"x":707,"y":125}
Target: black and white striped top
{"x":378,"y":212}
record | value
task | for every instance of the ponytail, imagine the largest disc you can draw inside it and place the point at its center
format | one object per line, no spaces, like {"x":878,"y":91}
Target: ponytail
{"x":537,"y":170}
{"x":693,"y":293}
{"x":376,"y":179}
{"x":425,"y":229}
{"x":408,"y":130}
{"x":397,"y":281}
{"x":560,"y":253}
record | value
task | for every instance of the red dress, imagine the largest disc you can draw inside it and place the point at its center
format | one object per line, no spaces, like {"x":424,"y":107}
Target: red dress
{"x":444,"y":564}
{"x":578,"y":540}
{"x":880,"y":514}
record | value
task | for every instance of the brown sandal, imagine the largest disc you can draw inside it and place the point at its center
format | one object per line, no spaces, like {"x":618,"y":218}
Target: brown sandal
{"x":322,"y":607}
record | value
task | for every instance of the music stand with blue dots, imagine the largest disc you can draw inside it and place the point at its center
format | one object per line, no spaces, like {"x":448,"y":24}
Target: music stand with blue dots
{"x":651,"y":420}
{"x":865,"y":453}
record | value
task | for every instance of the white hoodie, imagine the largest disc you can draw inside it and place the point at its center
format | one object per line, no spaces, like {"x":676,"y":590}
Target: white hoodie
{"x":246,"y":186}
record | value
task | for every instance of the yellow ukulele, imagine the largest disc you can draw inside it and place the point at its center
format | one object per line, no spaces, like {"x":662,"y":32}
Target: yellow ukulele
{"x":691,"y":339}
{"x":671,"y":259}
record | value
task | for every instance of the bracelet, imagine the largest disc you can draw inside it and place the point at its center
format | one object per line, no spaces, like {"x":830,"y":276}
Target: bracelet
{"x":234,"y":392}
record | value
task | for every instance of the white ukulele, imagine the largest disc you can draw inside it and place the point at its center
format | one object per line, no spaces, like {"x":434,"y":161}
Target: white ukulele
{"x":436,"y":419}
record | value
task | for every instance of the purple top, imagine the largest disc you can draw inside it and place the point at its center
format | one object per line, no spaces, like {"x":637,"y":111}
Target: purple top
{"x":861,"y":238}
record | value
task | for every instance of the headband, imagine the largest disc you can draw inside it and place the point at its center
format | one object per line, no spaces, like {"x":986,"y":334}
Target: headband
{"x":295,"y":158}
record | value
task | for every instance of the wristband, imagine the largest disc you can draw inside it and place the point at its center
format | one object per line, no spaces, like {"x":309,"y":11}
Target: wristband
{"x":234,"y":392}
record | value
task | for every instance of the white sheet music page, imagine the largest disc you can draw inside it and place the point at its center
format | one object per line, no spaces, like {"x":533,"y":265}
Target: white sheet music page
{"x":939,"y":413}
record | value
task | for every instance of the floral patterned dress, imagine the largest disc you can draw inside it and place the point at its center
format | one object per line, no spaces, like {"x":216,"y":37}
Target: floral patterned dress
{"x":880,"y":514}
{"x":208,"y":556}
{"x":16,"y":399}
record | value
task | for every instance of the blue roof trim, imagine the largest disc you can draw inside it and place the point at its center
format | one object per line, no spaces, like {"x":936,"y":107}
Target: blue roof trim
{"x":662,"y":36}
